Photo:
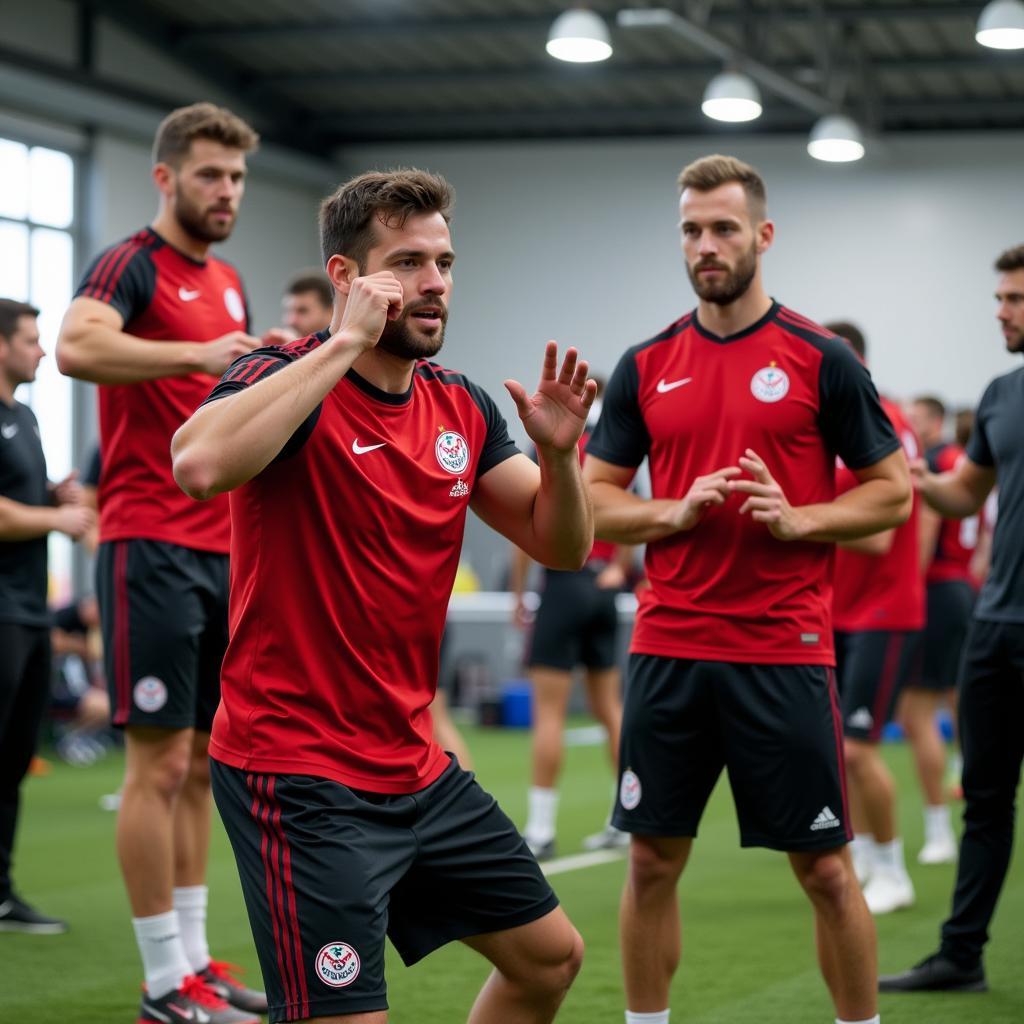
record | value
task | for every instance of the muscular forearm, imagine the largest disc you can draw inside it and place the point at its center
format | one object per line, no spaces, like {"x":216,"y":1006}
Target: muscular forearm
{"x":25,"y":522}
{"x":106,"y":356}
{"x":228,"y":442}
{"x":870,"y":507}
{"x":624,"y":518}
{"x":563,"y":518}
{"x":950,"y":497}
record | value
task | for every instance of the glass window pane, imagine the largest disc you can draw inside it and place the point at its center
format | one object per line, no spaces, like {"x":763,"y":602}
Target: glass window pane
{"x":13,"y":179}
{"x":13,"y":261}
{"x":51,"y":187}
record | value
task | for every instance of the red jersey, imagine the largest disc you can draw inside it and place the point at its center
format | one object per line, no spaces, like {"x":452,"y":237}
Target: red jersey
{"x":882,"y":591}
{"x":163,"y":295}
{"x":957,"y":539}
{"x":343,"y":556}
{"x":692,"y":402}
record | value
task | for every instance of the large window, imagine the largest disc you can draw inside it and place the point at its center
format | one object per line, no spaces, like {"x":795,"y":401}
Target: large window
{"x":37,"y":206}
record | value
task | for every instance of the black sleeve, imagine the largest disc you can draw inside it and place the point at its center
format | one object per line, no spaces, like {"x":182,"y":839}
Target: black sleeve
{"x":979,"y":451}
{"x":621,"y":436}
{"x":498,"y":446}
{"x":931,"y":458}
{"x":251,"y":368}
{"x":850,"y":413}
{"x":122,"y":277}
{"x":69,"y":619}
{"x":93,"y":469}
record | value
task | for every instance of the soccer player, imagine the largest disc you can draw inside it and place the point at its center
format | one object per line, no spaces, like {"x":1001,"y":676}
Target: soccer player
{"x":992,"y":672}
{"x":947,"y":551}
{"x":878,"y":617}
{"x":576,"y":623}
{"x":352,"y":461}
{"x":154,"y":318}
{"x":741,"y":406}
{"x":308,"y":303}
{"x":30,"y":509}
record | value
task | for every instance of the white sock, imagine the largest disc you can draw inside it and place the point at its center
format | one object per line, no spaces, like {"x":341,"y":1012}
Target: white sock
{"x":890,"y":856}
{"x":938,"y":823}
{"x":658,"y":1017}
{"x":190,"y":903}
{"x":163,"y":953}
{"x":540,"y":822}
{"x":870,"y":1020}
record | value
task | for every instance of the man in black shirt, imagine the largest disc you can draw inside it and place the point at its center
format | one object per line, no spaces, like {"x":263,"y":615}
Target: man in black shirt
{"x":992,"y":675}
{"x":30,"y":507}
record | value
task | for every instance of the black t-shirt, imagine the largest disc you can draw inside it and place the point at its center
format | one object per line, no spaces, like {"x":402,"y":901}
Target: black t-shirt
{"x":22,"y":479}
{"x":998,"y":441}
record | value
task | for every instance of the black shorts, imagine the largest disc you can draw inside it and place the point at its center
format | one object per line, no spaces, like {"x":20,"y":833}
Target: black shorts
{"x":576,"y":624}
{"x":950,"y":605}
{"x":164,"y":610}
{"x":872,"y":666}
{"x":327,"y":871}
{"x":776,"y":728}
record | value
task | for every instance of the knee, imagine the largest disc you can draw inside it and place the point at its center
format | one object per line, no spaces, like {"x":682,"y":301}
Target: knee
{"x":199,"y":770}
{"x":556,"y":976}
{"x":829,"y":881}
{"x":163,"y":775}
{"x":651,"y":868}
{"x":857,"y":754}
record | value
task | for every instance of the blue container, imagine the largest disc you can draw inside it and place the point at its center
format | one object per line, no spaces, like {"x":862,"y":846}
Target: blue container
{"x":516,"y":704}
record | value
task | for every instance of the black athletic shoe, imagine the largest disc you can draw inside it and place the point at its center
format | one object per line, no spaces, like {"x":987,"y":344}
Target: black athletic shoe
{"x":220,"y":976}
{"x":17,"y":916}
{"x":936,"y":973}
{"x":194,"y":1003}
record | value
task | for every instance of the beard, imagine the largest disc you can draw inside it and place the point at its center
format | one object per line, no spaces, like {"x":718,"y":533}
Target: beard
{"x":194,"y":219}
{"x":731,"y":286}
{"x":399,"y":339}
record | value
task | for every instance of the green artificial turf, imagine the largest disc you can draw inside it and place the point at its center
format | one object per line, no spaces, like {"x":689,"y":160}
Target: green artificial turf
{"x":748,"y":954}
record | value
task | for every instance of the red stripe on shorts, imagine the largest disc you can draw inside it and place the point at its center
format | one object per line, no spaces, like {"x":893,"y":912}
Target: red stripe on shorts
{"x":837,"y":728}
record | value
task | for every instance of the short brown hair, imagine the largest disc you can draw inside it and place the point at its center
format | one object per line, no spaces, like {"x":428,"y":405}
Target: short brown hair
{"x":312,"y":281}
{"x":11,"y":312}
{"x":181,"y":127}
{"x":347,"y":215}
{"x":934,"y":405}
{"x":709,"y":172}
{"x":851,"y":334}
{"x":1012,"y":259}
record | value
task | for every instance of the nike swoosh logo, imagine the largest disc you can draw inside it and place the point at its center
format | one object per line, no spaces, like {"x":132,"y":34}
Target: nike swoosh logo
{"x":186,"y":296}
{"x":664,"y":388}
{"x":362,"y":450}
{"x":9,"y":430}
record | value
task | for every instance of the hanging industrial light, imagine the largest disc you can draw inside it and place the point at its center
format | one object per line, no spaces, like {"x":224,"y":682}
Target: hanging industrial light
{"x":836,"y":139}
{"x":731,"y":96}
{"x":1001,"y":25}
{"x":579,"y":36}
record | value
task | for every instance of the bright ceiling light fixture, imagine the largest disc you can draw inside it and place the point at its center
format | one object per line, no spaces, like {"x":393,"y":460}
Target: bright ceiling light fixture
{"x":836,"y":139}
{"x":580,"y":37}
{"x":1001,"y":25}
{"x":731,"y":96}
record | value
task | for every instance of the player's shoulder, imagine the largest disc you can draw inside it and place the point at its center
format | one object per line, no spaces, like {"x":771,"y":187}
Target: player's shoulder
{"x":145,"y":240}
{"x":666,"y":336}
{"x":803,"y":329}
{"x":1007,"y":383}
{"x":253,"y":365}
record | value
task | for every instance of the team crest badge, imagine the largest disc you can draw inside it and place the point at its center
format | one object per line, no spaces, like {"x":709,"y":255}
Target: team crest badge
{"x":149,"y":694}
{"x":770,"y":384}
{"x":337,"y":964}
{"x":629,"y":790}
{"x":234,"y":305}
{"x":452,"y":452}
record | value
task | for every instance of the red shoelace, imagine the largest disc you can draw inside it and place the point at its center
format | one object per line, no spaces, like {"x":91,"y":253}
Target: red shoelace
{"x":199,"y":991}
{"x":223,"y":971}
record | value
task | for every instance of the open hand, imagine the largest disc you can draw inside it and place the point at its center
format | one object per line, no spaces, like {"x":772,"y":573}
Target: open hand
{"x":705,"y":491}
{"x":766,"y":502}
{"x":555,"y":416}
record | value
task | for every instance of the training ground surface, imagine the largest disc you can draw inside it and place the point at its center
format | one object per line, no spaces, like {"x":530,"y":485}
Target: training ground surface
{"x":748,"y":954}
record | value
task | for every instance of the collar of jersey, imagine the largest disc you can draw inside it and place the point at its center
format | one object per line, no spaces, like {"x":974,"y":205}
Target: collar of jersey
{"x":756,"y":326}
{"x":374,"y":392}
{"x":177,"y":252}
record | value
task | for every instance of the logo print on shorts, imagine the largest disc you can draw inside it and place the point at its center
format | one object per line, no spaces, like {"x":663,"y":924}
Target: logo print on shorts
{"x":629,"y":790}
{"x":337,"y":964}
{"x":452,"y":452}
{"x":150,"y":694}
{"x":234,"y":305}
{"x":770,"y":384}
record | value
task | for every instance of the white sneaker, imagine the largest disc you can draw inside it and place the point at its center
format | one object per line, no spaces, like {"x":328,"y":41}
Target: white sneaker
{"x":609,"y":838}
{"x":863,"y":862}
{"x":941,"y":850}
{"x":888,"y":890}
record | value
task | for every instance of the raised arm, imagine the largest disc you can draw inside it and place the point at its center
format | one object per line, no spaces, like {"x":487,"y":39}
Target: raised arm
{"x":93,"y":346}
{"x":544,"y":508}
{"x":227,"y":442}
{"x":957,"y":494}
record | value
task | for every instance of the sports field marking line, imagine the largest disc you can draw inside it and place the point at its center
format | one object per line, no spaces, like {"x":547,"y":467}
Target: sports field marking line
{"x":578,"y":861}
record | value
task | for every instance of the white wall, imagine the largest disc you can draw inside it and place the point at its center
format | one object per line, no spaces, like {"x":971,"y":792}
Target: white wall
{"x":578,"y":241}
